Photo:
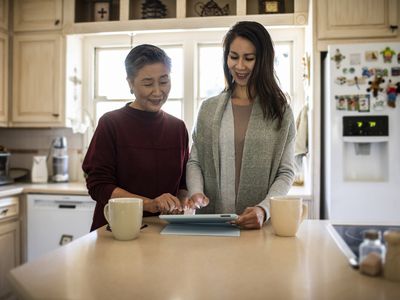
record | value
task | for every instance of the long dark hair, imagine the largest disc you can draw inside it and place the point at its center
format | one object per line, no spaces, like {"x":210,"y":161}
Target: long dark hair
{"x":262,"y":81}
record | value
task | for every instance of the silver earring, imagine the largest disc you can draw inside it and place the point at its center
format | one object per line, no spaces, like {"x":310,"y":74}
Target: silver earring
{"x":131,"y":91}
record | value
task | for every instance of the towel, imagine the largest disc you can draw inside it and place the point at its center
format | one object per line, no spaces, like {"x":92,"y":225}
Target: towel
{"x":301,"y":146}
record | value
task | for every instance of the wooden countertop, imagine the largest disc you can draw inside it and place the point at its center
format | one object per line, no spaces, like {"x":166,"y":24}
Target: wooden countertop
{"x":256,"y":265}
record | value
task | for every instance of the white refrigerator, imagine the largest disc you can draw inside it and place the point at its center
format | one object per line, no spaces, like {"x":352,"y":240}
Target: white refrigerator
{"x":361,"y":117}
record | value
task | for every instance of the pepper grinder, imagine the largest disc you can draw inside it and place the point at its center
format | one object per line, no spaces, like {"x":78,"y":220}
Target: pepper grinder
{"x":391,"y":269}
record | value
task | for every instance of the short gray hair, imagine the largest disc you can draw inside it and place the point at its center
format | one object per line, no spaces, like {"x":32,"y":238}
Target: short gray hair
{"x":143,"y":55}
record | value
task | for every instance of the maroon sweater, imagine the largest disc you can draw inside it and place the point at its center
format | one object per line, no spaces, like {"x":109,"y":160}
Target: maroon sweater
{"x":144,"y":153}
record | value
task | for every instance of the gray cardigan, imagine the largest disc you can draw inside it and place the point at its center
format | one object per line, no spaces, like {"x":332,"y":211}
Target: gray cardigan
{"x":267,"y":163}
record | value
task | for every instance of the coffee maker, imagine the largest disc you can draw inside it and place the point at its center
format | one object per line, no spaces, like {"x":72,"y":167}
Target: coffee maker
{"x":59,"y":156}
{"x":4,"y":166}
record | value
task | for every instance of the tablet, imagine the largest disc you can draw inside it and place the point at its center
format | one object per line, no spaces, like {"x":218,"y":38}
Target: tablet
{"x":199,"y":219}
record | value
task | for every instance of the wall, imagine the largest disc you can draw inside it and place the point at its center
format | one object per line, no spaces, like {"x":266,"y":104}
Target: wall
{"x":25,"y":143}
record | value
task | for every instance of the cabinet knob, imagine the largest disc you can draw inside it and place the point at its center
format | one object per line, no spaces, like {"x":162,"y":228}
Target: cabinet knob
{"x":56,"y":115}
{"x":57,"y":22}
{"x":393,"y":28}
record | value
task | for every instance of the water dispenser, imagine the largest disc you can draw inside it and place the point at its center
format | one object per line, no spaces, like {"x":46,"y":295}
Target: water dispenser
{"x":365,"y":148}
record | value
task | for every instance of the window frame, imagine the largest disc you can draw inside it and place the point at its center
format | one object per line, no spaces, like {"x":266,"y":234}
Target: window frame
{"x":190,"y":41}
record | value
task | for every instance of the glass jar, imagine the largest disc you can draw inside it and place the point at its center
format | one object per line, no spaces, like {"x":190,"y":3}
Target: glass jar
{"x":372,"y":243}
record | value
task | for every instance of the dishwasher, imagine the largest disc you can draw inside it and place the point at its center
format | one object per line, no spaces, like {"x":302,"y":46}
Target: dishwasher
{"x":55,"y":220}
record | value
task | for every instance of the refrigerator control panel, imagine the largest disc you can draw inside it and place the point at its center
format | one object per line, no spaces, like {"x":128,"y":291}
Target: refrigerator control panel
{"x":366,"y":126}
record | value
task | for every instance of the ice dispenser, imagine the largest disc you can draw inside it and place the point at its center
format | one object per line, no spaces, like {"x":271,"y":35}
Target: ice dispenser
{"x":365,"y":148}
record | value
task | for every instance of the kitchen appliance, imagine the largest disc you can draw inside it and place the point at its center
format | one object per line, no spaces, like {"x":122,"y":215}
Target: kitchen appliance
{"x":361,"y":163}
{"x":59,"y":154}
{"x":4,"y":166}
{"x":39,"y":169}
{"x":54,"y":220}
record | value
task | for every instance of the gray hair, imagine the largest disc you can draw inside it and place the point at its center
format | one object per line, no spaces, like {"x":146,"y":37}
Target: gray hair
{"x":143,"y":55}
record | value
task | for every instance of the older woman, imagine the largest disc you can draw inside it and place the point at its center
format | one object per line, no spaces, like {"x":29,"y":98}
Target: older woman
{"x":139,"y":150}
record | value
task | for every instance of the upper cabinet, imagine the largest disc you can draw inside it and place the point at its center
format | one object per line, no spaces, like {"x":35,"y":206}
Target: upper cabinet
{"x":3,"y":14}
{"x":3,"y":79}
{"x":357,"y":18}
{"x":38,"y":80}
{"x":131,"y":15}
{"x":33,"y":15}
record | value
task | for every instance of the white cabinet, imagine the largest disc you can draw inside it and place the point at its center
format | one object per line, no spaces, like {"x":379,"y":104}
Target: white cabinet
{"x":3,"y":79}
{"x":38,"y":80}
{"x":9,"y":242}
{"x":31,"y":15}
{"x":357,"y":18}
{"x":4,"y":14}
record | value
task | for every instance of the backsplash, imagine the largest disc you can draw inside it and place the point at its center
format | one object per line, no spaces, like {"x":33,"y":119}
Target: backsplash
{"x":24,"y":143}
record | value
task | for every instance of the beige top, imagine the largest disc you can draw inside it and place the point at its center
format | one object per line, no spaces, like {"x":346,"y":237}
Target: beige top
{"x":241,"y":117}
{"x":256,"y":265}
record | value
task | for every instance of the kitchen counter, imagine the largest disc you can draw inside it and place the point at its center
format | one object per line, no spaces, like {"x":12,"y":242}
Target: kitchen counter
{"x":68,"y":188}
{"x":256,"y":265}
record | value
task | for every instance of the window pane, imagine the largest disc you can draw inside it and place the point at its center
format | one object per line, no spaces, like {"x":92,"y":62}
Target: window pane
{"x":173,"y":107}
{"x":176,"y":55}
{"x":105,"y":106}
{"x":111,"y":74}
{"x":210,"y":70}
{"x":282,"y":64}
{"x":111,"y":80}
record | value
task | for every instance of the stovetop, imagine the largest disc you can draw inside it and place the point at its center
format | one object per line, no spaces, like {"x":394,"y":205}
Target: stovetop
{"x":352,"y":235}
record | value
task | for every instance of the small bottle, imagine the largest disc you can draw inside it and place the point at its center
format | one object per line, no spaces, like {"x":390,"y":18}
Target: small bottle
{"x":391,"y":268}
{"x":372,"y":243}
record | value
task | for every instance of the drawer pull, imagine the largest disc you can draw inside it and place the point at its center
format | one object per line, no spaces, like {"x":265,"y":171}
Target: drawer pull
{"x":393,"y":28}
{"x":4,"y":212}
{"x":57,"y":22}
{"x":69,"y":206}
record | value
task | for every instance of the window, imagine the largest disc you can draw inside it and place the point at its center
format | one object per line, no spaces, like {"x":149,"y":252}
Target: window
{"x":196,"y":73}
{"x":211,"y":74}
{"x":112,"y":89}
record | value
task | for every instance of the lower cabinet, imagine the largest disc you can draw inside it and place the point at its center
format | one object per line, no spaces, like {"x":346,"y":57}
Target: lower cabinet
{"x":9,"y":242}
{"x":9,"y":253}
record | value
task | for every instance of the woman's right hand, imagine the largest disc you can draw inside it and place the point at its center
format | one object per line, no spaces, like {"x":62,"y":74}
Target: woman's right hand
{"x":166,"y":204}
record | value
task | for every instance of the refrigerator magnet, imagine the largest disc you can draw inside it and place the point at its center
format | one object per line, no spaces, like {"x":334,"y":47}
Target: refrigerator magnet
{"x":363,"y":103}
{"x":355,"y":59}
{"x":395,"y":71}
{"x":337,"y":58}
{"x":387,"y":54}
{"x":378,"y":102}
{"x":371,"y":55}
{"x":352,"y":102}
{"x":341,"y":103}
{"x":374,"y":85}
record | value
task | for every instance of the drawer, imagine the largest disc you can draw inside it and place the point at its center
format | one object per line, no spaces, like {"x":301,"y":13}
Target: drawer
{"x":9,"y":207}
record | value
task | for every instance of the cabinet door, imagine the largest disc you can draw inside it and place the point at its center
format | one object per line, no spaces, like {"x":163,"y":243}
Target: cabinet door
{"x":4,"y":14}
{"x":32,"y":15}
{"x":37,"y":80}
{"x":3,"y":79}
{"x":9,"y":253}
{"x":356,"y":18}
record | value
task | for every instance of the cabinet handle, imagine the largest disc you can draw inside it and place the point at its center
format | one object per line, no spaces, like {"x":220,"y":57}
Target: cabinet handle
{"x":56,"y":115}
{"x":393,"y":28}
{"x":4,"y":211}
{"x":57,"y":22}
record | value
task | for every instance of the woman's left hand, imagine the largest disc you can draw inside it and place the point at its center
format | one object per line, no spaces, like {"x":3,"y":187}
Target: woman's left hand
{"x":251,"y":218}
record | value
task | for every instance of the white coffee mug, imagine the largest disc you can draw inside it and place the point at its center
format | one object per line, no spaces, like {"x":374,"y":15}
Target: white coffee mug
{"x":287,"y":213}
{"x":125,"y":217}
